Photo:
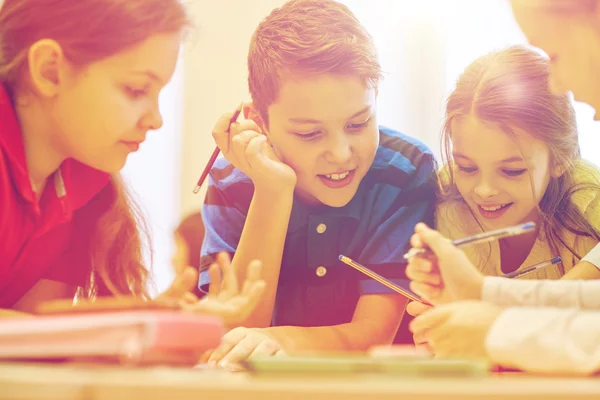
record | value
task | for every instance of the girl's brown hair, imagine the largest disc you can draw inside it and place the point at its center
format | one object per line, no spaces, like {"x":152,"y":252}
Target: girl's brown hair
{"x":88,"y":31}
{"x":510,"y":89}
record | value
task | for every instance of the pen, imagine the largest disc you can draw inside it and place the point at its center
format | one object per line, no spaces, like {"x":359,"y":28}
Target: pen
{"x":215,"y":153}
{"x":481,"y":237}
{"x":516,"y":274}
{"x":380,"y":279}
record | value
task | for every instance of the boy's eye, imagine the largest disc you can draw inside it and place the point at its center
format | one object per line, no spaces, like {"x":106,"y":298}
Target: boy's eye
{"x":356,"y":127}
{"x":467,"y":170}
{"x":514,"y":172}
{"x":307,"y":136}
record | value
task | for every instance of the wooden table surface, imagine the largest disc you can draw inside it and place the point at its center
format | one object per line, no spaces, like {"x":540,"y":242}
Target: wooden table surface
{"x":85,"y":382}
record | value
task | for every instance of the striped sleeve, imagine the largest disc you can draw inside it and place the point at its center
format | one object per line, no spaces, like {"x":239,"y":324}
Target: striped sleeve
{"x":224,"y":214}
{"x":399,"y":211}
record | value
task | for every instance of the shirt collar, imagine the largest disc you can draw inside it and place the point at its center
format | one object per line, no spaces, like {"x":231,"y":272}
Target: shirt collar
{"x":353,"y":210}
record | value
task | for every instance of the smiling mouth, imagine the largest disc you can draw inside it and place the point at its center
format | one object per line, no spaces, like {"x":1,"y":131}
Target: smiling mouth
{"x":337,"y":177}
{"x":494,"y":208}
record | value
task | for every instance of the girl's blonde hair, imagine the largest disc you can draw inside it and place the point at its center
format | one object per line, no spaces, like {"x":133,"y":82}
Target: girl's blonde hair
{"x":510,"y":89}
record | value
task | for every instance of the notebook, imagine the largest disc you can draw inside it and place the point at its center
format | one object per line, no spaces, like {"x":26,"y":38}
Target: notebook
{"x":127,"y":337}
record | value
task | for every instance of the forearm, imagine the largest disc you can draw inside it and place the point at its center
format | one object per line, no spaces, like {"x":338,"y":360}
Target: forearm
{"x":560,"y":293}
{"x":263,"y":238}
{"x":546,"y":340}
{"x":375,"y":322}
{"x":353,"y":336}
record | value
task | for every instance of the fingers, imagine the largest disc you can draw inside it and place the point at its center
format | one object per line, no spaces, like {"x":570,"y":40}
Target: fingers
{"x":415,"y":308}
{"x":188,"y":299}
{"x":238,"y":353}
{"x":428,"y":292}
{"x":420,"y":264}
{"x":205,"y":356}
{"x":415,"y":241}
{"x":428,"y":278}
{"x":239,"y":144}
{"x":220,"y":132}
{"x":230,"y":282}
{"x":266,"y":348}
{"x":214,"y":288}
{"x":429,"y":320}
{"x":252,"y":299}
{"x":247,"y":348}
{"x":256,"y":149}
{"x":244,"y":125}
{"x":229,"y":341}
{"x":254,"y":270}
{"x":252,"y":275}
{"x":419,"y":339}
{"x":434,"y":240}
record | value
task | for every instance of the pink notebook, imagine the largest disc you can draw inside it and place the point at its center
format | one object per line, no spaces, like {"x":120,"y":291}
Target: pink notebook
{"x":130,"y":337}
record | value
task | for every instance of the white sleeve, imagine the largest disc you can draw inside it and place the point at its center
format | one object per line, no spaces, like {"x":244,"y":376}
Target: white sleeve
{"x":593,"y":257}
{"x":546,"y":340}
{"x":550,"y":293}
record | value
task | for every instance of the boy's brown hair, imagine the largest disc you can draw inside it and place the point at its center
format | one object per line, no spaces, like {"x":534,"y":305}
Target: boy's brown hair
{"x":308,"y":37}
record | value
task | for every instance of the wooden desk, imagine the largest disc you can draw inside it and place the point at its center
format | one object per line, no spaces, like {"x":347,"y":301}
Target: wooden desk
{"x":20,"y":381}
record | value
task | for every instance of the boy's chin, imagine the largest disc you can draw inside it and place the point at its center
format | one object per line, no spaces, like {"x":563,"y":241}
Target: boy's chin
{"x":338,"y":201}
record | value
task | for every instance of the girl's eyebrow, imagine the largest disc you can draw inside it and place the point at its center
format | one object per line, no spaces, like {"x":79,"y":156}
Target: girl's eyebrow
{"x":512,"y":159}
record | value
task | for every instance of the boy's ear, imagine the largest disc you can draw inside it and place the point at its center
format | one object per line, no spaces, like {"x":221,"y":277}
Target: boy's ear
{"x":250,"y":112}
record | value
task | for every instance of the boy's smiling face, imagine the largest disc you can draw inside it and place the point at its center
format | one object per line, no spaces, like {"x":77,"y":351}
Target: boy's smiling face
{"x":325,"y":128}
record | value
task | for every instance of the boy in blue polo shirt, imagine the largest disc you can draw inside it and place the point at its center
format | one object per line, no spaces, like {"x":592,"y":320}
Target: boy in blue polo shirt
{"x":311,"y":176}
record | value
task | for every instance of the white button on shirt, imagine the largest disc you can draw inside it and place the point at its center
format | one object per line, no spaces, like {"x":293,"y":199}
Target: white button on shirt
{"x":321,"y":228}
{"x":321,"y":271}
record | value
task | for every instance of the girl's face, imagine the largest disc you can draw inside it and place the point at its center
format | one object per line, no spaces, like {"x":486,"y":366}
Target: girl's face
{"x":501,"y":178}
{"x":102,"y":113}
{"x":572,"y":41}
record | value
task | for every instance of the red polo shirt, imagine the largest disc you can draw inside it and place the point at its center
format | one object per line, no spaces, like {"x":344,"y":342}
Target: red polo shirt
{"x":42,"y":240}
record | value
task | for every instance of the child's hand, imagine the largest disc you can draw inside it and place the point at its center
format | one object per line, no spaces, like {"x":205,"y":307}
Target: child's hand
{"x":448,"y":276}
{"x":224,"y":298}
{"x":181,"y":288}
{"x":415,"y":308}
{"x":457,"y":330}
{"x":247,"y":148}
{"x":242,"y":343}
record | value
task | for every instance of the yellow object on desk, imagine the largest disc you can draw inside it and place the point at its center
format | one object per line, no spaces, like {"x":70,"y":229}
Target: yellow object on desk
{"x":413,"y":366}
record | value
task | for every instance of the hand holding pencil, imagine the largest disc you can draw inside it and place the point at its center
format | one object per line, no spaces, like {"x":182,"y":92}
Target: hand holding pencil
{"x":245,"y":145}
{"x":447,"y":274}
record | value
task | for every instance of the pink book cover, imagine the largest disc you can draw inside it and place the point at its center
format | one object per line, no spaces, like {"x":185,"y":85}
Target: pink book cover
{"x":133,"y":337}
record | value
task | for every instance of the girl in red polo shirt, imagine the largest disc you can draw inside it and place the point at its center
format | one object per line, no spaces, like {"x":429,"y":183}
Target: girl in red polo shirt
{"x":80,"y":86}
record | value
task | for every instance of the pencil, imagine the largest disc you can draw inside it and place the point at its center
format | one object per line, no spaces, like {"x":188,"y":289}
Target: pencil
{"x":516,"y":274}
{"x":216,"y":151}
{"x":481,"y":238}
{"x":380,"y":279}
